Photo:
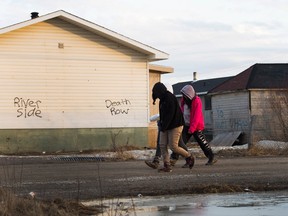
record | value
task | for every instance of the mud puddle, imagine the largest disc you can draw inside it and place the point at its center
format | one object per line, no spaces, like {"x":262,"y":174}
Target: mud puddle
{"x":250,"y":203}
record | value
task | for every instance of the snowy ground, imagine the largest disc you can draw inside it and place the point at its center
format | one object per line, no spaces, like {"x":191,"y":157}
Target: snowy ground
{"x":272,"y":144}
{"x":147,"y":154}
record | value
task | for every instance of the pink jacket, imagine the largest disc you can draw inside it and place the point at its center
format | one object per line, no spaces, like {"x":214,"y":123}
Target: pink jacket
{"x":196,"y":114}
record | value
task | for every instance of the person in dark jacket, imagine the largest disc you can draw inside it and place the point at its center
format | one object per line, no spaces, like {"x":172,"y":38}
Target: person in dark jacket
{"x":173,"y":157}
{"x":171,"y":124}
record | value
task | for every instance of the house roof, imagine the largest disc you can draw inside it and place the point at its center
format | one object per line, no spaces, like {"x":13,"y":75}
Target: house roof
{"x":178,"y":86}
{"x":201,"y":87}
{"x":258,"y":76}
{"x":160,"y":69}
{"x":152,"y":53}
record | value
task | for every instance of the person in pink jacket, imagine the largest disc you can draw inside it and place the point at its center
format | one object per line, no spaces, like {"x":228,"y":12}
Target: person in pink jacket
{"x":191,"y":107}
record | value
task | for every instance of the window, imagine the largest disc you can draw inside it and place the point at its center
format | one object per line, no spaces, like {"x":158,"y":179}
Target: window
{"x":208,"y":105}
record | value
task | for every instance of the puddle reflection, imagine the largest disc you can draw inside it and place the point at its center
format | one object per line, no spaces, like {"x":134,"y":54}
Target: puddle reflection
{"x":238,"y":204}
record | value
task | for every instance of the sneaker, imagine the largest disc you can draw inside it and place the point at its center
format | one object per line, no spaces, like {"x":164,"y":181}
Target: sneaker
{"x":211,"y":162}
{"x":186,"y":165}
{"x":190,"y":162}
{"x":173,"y":162}
{"x":153,"y":164}
{"x":165,"y":169}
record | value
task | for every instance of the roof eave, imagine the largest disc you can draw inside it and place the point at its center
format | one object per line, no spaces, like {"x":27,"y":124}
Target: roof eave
{"x":178,"y":95}
{"x":161,"y":69}
{"x":227,"y":91}
{"x":202,"y":93}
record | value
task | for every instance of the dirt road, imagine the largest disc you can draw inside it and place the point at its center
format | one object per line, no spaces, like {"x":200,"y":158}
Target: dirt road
{"x":90,"y":179}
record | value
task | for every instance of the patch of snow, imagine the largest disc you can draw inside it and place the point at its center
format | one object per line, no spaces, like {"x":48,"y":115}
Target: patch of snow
{"x":272,"y":144}
{"x":236,"y":147}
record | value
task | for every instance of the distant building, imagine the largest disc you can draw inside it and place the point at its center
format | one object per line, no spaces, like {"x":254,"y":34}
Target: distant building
{"x":202,"y":87}
{"x":254,"y":102}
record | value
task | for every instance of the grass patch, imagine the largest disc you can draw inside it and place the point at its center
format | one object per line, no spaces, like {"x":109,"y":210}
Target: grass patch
{"x":257,"y":150}
{"x":12,"y":205}
{"x":267,"y":151}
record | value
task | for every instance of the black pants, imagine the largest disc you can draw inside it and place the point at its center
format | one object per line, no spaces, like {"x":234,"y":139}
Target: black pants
{"x":200,"y":139}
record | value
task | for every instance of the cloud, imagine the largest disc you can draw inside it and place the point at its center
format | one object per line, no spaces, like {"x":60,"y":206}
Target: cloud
{"x":256,"y":28}
{"x":212,"y":37}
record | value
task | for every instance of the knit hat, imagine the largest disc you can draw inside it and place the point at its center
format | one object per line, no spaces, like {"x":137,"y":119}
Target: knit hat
{"x":188,"y":91}
{"x":158,"y":90}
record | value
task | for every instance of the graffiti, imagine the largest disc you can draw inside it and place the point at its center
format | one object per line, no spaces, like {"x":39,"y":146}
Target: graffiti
{"x":230,"y":122}
{"x":239,"y":124}
{"x":220,"y":113}
{"x":220,"y":124}
{"x":118,"y":107}
{"x":27,"y":107}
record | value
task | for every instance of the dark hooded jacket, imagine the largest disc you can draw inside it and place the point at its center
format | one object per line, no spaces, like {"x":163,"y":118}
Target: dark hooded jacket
{"x":170,"y":113}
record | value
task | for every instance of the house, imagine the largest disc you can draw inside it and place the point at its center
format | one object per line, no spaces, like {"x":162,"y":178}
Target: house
{"x":202,"y":87}
{"x":68,"y":84}
{"x":254,"y":102}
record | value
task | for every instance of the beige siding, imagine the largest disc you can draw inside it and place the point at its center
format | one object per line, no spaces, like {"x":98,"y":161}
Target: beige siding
{"x":154,"y":109}
{"x":231,"y":112}
{"x":154,"y":78}
{"x":70,"y":87}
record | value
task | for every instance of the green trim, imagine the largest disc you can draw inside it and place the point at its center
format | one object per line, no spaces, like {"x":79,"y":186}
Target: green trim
{"x":19,"y":141}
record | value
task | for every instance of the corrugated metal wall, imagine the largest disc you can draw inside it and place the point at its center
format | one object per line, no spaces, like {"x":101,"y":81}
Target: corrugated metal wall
{"x":56,"y":75}
{"x":231,"y":112}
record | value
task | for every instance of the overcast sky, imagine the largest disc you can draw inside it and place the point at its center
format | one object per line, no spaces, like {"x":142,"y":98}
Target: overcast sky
{"x":215,"y":38}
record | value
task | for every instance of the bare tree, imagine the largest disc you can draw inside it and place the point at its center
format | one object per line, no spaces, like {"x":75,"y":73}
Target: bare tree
{"x":279,"y":105}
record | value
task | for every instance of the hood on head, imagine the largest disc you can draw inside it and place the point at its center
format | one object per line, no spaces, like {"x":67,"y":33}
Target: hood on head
{"x":158,"y":90}
{"x":188,"y":91}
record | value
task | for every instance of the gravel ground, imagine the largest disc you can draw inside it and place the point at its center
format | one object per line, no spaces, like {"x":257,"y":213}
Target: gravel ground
{"x":94,"y":176}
